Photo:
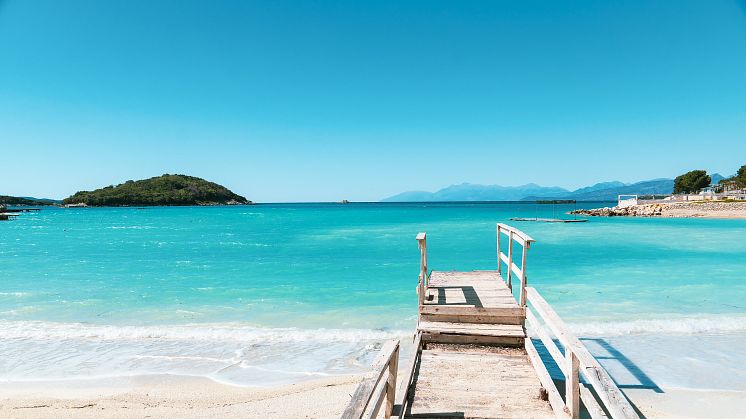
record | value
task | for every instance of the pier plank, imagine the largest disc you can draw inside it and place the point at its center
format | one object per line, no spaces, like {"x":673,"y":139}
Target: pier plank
{"x":473,"y":328}
{"x":469,"y":383}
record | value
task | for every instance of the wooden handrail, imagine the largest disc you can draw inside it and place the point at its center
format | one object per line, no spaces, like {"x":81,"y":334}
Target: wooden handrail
{"x":514,"y":235}
{"x":370,"y":393}
{"x":520,"y":236}
{"x":403,"y":392}
{"x":575,"y":361}
{"x":422,"y":284}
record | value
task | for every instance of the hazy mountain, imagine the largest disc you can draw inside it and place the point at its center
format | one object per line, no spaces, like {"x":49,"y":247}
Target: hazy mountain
{"x":599,"y":187}
{"x":716,"y":177}
{"x":604,"y":191}
{"x":50,"y":200}
{"x":411,"y":196}
{"x":474,"y":192}
{"x":25,"y":200}
{"x":647,"y":187}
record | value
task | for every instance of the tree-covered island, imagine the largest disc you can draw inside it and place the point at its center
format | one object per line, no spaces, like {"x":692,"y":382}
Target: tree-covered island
{"x":166,"y":190}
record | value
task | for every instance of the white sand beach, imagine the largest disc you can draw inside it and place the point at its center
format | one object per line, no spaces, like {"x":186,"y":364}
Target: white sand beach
{"x":167,"y":396}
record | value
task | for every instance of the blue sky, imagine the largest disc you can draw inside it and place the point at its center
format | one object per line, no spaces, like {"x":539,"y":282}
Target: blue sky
{"x":325,"y":100}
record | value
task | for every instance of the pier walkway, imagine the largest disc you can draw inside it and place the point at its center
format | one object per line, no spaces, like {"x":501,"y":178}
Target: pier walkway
{"x":473,"y":357}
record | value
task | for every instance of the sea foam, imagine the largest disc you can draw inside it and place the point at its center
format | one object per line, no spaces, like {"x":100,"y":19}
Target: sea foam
{"x":670,"y":326}
{"x":234,"y":332}
{"x":226,"y":352}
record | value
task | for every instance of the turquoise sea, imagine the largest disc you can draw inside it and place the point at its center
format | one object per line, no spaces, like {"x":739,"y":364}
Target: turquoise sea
{"x":277,"y":293}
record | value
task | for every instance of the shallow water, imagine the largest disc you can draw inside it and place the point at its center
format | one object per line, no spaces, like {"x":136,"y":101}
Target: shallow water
{"x":266,"y":294}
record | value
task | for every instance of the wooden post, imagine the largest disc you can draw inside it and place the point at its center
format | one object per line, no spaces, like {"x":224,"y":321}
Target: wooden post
{"x":510,"y":262}
{"x":499,"y":262}
{"x":422,"y":244}
{"x":391,"y":383}
{"x":424,"y":261}
{"x":524,"y":278}
{"x":572,"y":383}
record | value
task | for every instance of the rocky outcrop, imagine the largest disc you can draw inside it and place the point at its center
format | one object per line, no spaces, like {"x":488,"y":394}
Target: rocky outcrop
{"x":709,"y":209}
{"x":650,"y":210}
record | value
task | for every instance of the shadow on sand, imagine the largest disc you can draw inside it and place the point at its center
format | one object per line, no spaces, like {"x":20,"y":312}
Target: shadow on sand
{"x":625,"y":373}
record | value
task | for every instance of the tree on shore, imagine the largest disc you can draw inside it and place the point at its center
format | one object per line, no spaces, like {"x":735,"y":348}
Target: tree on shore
{"x":740,"y":177}
{"x":738,"y":180}
{"x":691,"y":182}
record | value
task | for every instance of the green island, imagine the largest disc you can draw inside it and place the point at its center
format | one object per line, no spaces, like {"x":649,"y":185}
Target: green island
{"x":166,"y":190}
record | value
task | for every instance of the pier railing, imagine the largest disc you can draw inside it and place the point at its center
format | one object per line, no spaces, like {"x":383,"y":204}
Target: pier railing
{"x":422,"y":283}
{"x":575,"y":361}
{"x":513,"y":235}
{"x":368,"y":398}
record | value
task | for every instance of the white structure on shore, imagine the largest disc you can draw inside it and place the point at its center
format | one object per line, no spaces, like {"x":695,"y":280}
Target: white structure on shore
{"x":624,"y":201}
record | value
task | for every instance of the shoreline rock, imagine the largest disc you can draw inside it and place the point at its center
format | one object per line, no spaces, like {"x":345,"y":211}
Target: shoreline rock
{"x":695,"y":209}
{"x":649,"y":210}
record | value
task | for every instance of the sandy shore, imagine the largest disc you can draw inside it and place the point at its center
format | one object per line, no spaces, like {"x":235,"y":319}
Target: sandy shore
{"x":688,"y":403}
{"x":191,"y":397}
{"x":694,"y":209}
{"x":174,"y":396}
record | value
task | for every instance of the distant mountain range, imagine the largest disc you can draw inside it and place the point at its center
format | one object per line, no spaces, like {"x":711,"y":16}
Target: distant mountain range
{"x":604,"y":191}
{"x":26,"y":200}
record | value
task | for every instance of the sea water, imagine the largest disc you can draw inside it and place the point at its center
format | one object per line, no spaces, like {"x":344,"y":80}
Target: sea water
{"x":278,"y":293}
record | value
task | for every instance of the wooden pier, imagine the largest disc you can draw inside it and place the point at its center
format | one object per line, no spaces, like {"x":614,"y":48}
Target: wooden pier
{"x":549,"y":220}
{"x":473,"y":357}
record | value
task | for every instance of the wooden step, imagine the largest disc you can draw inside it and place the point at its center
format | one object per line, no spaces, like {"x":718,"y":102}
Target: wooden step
{"x":454,"y":332}
{"x":513,"y":314}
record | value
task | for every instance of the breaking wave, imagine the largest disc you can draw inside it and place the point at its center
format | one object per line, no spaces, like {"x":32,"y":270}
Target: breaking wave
{"x":679,"y":326}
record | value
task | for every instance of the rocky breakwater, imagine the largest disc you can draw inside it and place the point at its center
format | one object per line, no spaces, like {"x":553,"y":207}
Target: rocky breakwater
{"x":649,"y":210}
{"x":693,"y":209}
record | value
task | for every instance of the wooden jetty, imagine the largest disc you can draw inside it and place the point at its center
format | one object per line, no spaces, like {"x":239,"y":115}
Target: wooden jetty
{"x":549,"y":220}
{"x":473,"y":357}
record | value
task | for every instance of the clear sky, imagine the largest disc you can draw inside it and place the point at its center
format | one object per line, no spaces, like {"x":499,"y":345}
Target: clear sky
{"x":326,"y":100}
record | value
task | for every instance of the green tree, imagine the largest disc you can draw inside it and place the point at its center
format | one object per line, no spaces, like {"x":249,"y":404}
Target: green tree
{"x":691,"y":182}
{"x":740,"y":176}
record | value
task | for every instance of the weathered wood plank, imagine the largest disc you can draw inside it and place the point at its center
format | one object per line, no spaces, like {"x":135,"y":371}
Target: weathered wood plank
{"x":507,"y":330}
{"x":547,"y":340}
{"x":377,"y":399}
{"x":522,"y":276}
{"x":572,"y":384}
{"x":472,"y":339}
{"x":504,"y":258}
{"x":472,"y":318}
{"x":591,"y":405}
{"x":476,"y":384}
{"x":404,"y":387}
{"x":393,"y":367}
{"x":517,"y":271}
{"x":503,"y":311}
{"x":510,"y":259}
